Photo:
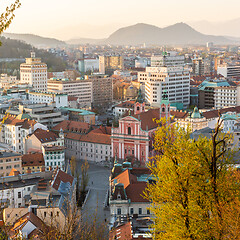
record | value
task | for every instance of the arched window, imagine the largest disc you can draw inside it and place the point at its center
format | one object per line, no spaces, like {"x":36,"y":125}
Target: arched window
{"x":129,"y":130}
{"x":163,"y":109}
{"x":138,"y":108}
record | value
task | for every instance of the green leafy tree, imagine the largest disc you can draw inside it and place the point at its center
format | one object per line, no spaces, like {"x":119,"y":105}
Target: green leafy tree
{"x":195,"y":187}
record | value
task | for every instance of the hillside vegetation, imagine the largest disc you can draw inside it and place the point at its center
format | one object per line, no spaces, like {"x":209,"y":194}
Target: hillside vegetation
{"x":17,"y":49}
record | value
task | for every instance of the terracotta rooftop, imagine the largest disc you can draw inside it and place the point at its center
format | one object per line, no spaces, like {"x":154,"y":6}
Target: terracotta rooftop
{"x":127,"y":104}
{"x":25,"y":123}
{"x":215,"y":113}
{"x":135,"y":191}
{"x":72,"y":126}
{"x":179,"y":114}
{"x":61,"y":176}
{"x":125,"y":178}
{"x":102,"y":130}
{"x":90,"y":137}
{"x":33,"y":159}
{"x":123,"y":231}
{"x":147,"y":119}
{"x":45,"y":135}
{"x":36,"y":221}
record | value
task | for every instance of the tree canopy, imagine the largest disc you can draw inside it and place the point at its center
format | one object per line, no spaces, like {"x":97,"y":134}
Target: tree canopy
{"x":196,"y":189}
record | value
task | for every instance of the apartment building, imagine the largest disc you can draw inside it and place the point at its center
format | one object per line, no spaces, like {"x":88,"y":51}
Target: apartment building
{"x":229,"y":70}
{"x":102,"y":90}
{"x":127,"y":185}
{"x":226,"y":96}
{"x":167,"y":59}
{"x":34,"y":73}
{"x":9,"y":162}
{"x":50,"y":145}
{"x":14,"y":131}
{"x":169,"y":75}
{"x":80,"y":88}
{"x":61,"y":100}
{"x":217,"y":93}
{"x":108,"y":64}
{"x":32,"y":161}
{"x":7,"y":81}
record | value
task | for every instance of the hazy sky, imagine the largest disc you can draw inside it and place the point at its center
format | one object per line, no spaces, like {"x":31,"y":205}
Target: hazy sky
{"x":65,"y":19}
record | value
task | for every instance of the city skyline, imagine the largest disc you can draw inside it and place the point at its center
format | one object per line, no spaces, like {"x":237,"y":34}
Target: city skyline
{"x":94,"y":19}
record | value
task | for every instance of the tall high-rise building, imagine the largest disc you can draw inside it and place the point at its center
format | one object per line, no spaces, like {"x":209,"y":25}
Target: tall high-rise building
{"x":166,"y":74}
{"x":34,"y":73}
{"x":108,"y":64}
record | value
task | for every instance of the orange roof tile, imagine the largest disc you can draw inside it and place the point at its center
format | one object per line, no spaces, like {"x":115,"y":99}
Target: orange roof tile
{"x":45,"y":135}
{"x":33,"y":159}
{"x":72,"y":126}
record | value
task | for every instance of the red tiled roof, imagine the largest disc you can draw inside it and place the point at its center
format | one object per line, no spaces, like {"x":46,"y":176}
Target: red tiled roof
{"x":25,"y":123}
{"x":135,"y":191}
{"x":215,"y":113}
{"x":102,"y":130}
{"x":147,"y":119}
{"x":179,"y":114}
{"x":33,"y":159}
{"x":61,"y":176}
{"x":90,"y":137}
{"x":127,"y":104}
{"x":72,"y":126}
{"x":125,"y":178}
{"x":36,"y":221}
{"x":123,"y":232}
{"x":45,"y":135}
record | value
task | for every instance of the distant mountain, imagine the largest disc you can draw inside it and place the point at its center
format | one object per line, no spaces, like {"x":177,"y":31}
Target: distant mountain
{"x":85,"y":41}
{"x":226,"y":28}
{"x":35,"y":40}
{"x":179,"y":33}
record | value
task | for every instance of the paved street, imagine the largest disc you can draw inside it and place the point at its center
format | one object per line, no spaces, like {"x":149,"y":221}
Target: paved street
{"x":98,"y":185}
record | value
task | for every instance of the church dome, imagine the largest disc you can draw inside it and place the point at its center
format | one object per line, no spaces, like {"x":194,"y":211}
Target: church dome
{"x":196,"y":113}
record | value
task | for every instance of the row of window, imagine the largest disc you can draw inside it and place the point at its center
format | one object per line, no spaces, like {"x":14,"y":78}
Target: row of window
{"x":131,"y":211}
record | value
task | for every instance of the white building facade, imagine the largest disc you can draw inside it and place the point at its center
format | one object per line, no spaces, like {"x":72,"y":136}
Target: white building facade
{"x":169,"y":76}
{"x":61,"y":100}
{"x":82,"y":89}
{"x":226,"y":96}
{"x":34,"y":73}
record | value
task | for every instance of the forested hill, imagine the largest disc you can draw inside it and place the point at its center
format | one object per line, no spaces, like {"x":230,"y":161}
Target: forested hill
{"x":17,"y":49}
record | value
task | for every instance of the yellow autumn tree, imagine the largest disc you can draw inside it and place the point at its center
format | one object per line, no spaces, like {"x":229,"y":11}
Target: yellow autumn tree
{"x":7,"y":16}
{"x":195,"y":187}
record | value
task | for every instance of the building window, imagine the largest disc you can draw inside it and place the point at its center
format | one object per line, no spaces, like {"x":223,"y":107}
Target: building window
{"x":45,"y":214}
{"x":140,"y":211}
{"x":148,"y":211}
{"x":129,"y":130}
{"x":119,"y":212}
{"x":131,"y":211}
{"x":19,"y":194}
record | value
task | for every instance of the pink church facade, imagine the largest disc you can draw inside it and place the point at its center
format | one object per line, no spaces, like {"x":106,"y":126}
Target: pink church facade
{"x":134,"y":137}
{"x":129,"y":140}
